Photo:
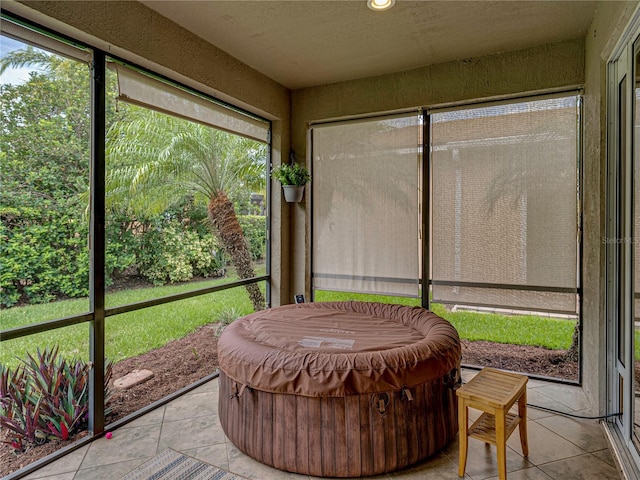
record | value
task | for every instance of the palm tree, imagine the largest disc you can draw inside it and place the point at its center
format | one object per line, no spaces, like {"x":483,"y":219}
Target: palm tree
{"x":153,"y":160}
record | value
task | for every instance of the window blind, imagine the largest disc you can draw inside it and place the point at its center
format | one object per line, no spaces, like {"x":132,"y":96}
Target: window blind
{"x":504,"y":205}
{"x":365,"y":205}
{"x":146,"y":91}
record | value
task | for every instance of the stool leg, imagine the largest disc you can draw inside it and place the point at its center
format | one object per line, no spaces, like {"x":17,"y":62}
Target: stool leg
{"x":463,"y":439}
{"x":522,"y":413}
{"x":501,"y":443}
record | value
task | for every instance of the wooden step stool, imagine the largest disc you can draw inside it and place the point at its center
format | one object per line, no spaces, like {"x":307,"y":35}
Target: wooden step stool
{"x":494,"y":392}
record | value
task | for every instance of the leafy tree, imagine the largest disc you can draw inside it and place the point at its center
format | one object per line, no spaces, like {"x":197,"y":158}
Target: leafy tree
{"x":44,"y":164}
{"x":45,"y":127}
{"x":44,"y":175}
{"x":154,"y":160}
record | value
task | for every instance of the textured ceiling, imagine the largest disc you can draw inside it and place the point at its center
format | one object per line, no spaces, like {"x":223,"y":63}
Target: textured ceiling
{"x":306,"y":43}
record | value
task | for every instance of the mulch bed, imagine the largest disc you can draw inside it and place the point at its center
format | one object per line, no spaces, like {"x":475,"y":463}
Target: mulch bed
{"x":184,"y":361}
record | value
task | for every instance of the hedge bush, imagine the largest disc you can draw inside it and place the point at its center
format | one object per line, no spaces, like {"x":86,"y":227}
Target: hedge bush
{"x":255,"y":231}
{"x":45,"y":255}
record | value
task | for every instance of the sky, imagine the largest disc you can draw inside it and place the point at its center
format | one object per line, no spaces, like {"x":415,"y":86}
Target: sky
{"x":14,"y":76}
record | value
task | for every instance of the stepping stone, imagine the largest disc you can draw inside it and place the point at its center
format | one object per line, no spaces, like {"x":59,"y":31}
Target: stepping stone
{"x":133,"y":378}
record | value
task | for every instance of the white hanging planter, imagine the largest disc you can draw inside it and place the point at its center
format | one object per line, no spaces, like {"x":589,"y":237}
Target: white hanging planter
{"x":293,"y":193}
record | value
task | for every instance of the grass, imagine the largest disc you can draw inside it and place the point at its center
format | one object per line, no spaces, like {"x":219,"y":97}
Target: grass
{"x":551,"y":333}
{"x":128,"y":334}
{"x":134,"y":333}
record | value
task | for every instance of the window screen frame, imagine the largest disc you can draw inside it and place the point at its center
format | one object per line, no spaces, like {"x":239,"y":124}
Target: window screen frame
{"x":573,"y":92}
{"x":420,"y":223}
{"x":32,"y":33}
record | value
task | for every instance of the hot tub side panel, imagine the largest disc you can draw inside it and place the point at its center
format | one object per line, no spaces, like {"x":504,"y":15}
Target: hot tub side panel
{"x":351,"y":436}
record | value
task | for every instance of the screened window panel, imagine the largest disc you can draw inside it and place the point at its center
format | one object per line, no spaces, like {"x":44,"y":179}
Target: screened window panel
{"x":366,"y":205}
{"x":504,"y":205}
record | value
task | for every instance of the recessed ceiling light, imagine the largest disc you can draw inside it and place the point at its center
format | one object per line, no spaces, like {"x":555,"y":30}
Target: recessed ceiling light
{"x":379,"y":5}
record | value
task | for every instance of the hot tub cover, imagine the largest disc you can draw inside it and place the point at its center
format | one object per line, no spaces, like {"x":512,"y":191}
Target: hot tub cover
{"x":333,"y":349}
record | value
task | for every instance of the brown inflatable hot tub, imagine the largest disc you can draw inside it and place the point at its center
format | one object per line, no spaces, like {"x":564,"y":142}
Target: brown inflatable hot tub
{"x":339,"y":389}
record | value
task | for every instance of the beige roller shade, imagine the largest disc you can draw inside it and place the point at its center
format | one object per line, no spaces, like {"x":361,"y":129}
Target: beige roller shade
{"x":365,"y":217}
{"x":146,"y":91}
{"x":505,"y":205}
{"x":37,"y":39}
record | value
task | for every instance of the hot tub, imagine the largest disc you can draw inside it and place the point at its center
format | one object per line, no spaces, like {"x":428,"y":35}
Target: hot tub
{"x":339,"y":389}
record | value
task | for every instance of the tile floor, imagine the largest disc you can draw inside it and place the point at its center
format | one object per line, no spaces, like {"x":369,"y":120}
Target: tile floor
{"x":560,"y":447}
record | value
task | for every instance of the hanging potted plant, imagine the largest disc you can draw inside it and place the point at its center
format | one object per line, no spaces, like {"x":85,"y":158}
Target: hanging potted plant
{"x":293,"y":178}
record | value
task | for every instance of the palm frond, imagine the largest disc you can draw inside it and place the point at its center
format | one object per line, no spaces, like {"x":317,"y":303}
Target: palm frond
{"x":26,"y":57}
{"x":153,"y":155}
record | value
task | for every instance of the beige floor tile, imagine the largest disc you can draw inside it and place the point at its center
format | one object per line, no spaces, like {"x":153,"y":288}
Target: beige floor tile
{"x":213,"y":454}
{"x":248,"y":467}
{"x":570,"y":396}
{"x":544,"y":445}
{"x":109,"y":472}
{"x":605,"y":456}
{"x":59,"y":476}
{"x":452,"y":450}
{"x":191,"y":406}
{"x":154,"y":417}
{"x":69,"y":463}
{"x":482,"y":460}
{"x":535,"y":383}
{"x":537,"y":413}
{"x":191,"y":433}
{"x":532,"y":473}
{"x":437,"y":467}
{"x":376,"y":477}
{"x":211,"y":386}
{"x":586,"y":434}
{"x":538,"y":398}
{"x":583,"y":467}
{"x":467,"y":374}
{"x":126,"y":444}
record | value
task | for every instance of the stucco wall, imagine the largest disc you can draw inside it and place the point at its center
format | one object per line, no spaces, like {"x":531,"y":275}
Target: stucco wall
{"x":606,"y":29}
{"x":135,"y":33}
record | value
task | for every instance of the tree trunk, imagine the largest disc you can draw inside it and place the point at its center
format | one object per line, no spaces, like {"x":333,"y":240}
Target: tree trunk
{"x":573,"y":354}
{"x":225,"y":222}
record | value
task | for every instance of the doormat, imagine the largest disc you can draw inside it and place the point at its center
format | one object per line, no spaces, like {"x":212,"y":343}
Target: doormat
{"x":172,"y":465}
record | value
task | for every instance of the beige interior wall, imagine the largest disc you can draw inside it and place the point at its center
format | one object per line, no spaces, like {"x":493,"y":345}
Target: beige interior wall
{"x":135,"y":33}
{"x":606,"y":29}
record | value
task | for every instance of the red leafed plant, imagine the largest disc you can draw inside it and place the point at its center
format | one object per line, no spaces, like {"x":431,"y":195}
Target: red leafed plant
{"x":45,"y":398}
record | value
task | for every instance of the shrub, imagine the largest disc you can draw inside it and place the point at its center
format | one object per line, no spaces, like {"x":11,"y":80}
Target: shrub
{"x":169,"y":253}
{"x":255,"y":232}
{"x":45,"y":398}
{"x":44,"y":255}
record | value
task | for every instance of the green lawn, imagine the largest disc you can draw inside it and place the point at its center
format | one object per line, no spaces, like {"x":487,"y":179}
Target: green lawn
{"x":545,"y":332}
{"x":127,"y":334}
{"x":134,"y":333}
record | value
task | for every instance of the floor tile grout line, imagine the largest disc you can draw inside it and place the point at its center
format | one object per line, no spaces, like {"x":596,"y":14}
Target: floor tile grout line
{"x":84,"y":455}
